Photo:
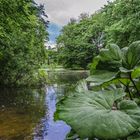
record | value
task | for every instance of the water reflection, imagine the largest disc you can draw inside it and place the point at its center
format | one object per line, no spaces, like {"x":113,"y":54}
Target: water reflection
{"x":29,"y":114}
{"x":20,"y":111}
{"x":52,"y":130}
{"x":61,"y":84}
{"x":66,"y":76}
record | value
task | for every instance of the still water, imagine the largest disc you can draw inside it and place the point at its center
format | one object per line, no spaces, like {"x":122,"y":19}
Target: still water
{"x":28,"y":114}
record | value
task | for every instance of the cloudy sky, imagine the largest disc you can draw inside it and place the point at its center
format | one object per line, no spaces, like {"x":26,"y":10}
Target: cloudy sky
{"x":60,"y":11}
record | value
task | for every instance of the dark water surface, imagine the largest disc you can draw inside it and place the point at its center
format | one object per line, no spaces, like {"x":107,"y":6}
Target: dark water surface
{"x":28,"y":114}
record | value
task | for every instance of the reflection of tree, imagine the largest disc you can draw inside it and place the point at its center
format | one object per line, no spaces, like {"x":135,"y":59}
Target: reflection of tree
{"x":64,"y":77}
{"x":23,"y":110}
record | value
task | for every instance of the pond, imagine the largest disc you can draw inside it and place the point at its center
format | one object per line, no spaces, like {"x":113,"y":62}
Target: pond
{"x":28,"y":114}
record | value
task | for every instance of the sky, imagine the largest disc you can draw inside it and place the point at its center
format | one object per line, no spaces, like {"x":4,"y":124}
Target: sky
{"x":60,"y":11}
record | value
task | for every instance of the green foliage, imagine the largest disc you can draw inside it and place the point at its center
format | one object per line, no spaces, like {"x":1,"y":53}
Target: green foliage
{"x":127,"y":58}
{"x":76,"y":48}
{"x":52,"y":56}
{"x":131,"y":57}
{"x":105,"y":110}
{"x":80,"y":41}
{"x":111,"y":53}
{"x":96,"y":115}
{"x":101,"y":77}
{"x":122,"y":26}
{"x":109,"y":58}
{"x":22,"y":35}
{"x":128,"y":71}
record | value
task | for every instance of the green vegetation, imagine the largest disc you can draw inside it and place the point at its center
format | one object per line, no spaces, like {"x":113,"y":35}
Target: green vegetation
{"x":81,"y":40}
{"x":92,"y":114}
{"x":109,"y":110}
{"x":20,"y":112}
{"x":22,"y":36}
{"x":74,"y":48}
{"x":106,"y":105}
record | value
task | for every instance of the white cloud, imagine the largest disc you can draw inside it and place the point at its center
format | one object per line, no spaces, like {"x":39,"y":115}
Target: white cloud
{"x":60,"y":11}
{"x":51,"y":44}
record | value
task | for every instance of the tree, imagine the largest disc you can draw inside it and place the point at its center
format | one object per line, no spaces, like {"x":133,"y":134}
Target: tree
{"x":72,"y":20}
{"x":121,"y":19}
{"x":79,"y":42}
{"x":22,"y":36}
{"x":117,"y":22}
{"x":83,"y":16}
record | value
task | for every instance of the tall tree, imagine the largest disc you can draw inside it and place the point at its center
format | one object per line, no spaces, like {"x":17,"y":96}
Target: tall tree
{"x":22,"y":36}
{"x":79,"y":41}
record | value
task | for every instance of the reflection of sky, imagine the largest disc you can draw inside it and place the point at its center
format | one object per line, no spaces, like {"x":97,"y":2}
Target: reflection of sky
{"x":51,"y":130}
{"x":54,"y":31}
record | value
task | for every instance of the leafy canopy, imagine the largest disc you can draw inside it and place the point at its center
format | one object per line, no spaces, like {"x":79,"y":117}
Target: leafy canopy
{"x":22,"y":36}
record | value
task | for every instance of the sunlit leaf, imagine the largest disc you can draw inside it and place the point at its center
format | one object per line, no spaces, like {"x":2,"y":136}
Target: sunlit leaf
{"x":136,"y":73}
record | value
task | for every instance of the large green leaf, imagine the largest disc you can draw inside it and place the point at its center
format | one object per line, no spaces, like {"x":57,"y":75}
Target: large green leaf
{"x":95,"y":62}
{"x":109,"y":58}
{"x":82,"y":86}
{"x":101,"y":77}
{"x":113,"y":53}
{"x":136,"y":73}
{"x":93,"y":114}
{"x":124,"y":79}
{"x":131,"y":56}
